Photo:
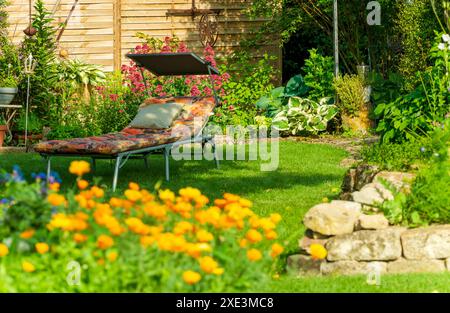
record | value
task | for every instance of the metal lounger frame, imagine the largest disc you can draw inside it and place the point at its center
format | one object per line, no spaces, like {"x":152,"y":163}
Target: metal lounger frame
{"x":122,"y":157}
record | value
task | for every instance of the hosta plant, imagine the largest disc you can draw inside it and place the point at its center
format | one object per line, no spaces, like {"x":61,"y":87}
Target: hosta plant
{"x":304,"y":116}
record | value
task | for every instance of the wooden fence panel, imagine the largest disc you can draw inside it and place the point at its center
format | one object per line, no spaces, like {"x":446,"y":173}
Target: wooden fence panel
{"x":103,"y":31}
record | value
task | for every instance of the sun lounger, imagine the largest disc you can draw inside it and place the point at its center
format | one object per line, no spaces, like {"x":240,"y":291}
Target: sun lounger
{"x":132,"y":143}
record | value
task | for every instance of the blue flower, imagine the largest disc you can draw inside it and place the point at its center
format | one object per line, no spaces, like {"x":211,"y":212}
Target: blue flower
{"x":423,"y":149}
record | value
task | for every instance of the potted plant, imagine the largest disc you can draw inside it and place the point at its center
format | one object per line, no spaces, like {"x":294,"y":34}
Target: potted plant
{"x":34,"y":129}
{"x":3,"y":129}
{"x":8,"y":89}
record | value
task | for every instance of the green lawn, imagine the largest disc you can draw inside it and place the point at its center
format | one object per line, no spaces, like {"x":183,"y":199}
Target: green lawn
{"x":307,"y":173}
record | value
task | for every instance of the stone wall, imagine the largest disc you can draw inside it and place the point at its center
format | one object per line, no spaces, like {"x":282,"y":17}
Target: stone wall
{"x":358,"y":237}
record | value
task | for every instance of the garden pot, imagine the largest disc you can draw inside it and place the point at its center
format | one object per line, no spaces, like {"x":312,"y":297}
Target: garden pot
{"x":360,"y":123}
{"x":7,"y":95}
{"x":3,"y":130}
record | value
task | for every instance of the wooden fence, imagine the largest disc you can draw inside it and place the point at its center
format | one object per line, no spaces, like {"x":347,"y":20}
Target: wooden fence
{"x":103,"y":31}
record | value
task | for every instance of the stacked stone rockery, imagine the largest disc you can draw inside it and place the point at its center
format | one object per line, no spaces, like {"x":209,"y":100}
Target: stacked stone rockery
{"x":359,"y":239}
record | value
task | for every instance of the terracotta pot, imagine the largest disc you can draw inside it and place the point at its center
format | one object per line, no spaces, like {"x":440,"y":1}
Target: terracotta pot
{"x":3,"y":130}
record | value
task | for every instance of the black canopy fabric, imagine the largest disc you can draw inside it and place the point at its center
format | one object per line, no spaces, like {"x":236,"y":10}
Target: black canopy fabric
{"x":167,"y":64}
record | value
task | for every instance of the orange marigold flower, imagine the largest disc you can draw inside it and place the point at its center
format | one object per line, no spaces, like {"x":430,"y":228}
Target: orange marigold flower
{"x":243,"y":243}
{"x":201,"y":201}
{"x":112,"y":256}
{"x":317,"y":251}
{"x":79,"y":238}
{"x":254,"y":255}
{"x":245,"y":203}
{"x":133,"y":195}
{"x":156,"y":210}
{"x":82,"y":201}
{"x":208,"y":264}
{"x":253,"y":236}
{"x":79,"y":168}
{"x":276,"y":250}
{"x":29,"y":233}
{"x":41,"y":247}
{"x":115,"y":202}
{"x":105,"y":242}
{"x":133,"y":186}
{"x":189,"y":193}
{"x":147,"y":240}
{"x":231,"y":197}
{"x":97,"y":191}
{"x":166,"y":195}
{"x":271,"y":235}
{"x":82,"y":184}
{"x":204,"y":236}
{"x":55,"y":199}
{"x":28,"y":267}
{"x":191,"y":277}
{"x":220,"y":203}
{"x":54,"y":187}
{"x":3,"y":250}
{"x":275,"y":217}
{"x":182,"y":228}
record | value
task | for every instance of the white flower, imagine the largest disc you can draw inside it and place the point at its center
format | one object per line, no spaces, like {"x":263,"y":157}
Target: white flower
{"x":441,"y":46}
{"x":446,"y":37}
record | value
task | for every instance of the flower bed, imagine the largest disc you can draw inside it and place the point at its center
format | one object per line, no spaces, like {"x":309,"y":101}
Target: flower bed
{"x":84,"y":240}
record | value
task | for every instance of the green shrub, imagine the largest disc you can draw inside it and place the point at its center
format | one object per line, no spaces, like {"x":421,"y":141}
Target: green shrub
{"x":395,"y":156}
{"x":318,"y":75}
{"x":429,"y":199}
{"x":350,"y":90}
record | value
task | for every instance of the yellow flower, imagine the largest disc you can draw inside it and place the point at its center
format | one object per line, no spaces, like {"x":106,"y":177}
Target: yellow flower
{"x":82,"y":184}
{"x":28,"y":267}
{"x":55,"y":199}
{"x":191,"y":277}
{"x":317,"y":251}
{"x":133,"y":186}
{"x":166,"y":195}
{"x":54,"y":187}
{"x":147,"y":240}
{"x":204,"y":236}
{"x":133,"y":195}
{"x":115,"y":202}
{"x":253,"y":236}
{"x":104,"y":242}
{"x":41,"y":247}
{"x":79,"y":238}
{"x":112,"y":256}
{"x":277,"y":249}
{"x":3,"y":250}
{"x":29,"y":233}
{"x":230,"y":198}
{"x":79,"y":168}
{"x":245,"y":203}
{"x":189,"y":193}
{"x":325,"y":200}
{"x":254,"y":255}
{"x":275,"y":217}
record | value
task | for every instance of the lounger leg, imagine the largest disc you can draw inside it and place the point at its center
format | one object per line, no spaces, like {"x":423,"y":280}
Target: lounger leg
{"x":146,"y":161}
{"x":216,"y":156}
{"x":48,"y":168}
{"x":116,"y":172}
{"x":166,"y":160}
{"x":94,"y":164}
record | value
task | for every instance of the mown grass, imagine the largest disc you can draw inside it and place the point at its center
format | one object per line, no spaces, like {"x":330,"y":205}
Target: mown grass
{"x":307,"y":173}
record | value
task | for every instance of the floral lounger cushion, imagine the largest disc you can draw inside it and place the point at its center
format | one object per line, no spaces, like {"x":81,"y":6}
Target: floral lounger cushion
{"x":187,"y":125}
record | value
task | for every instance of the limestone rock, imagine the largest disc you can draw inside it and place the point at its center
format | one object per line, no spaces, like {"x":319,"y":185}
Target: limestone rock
{"x":357,"y":177}
{"x":366,"y":245}
{"x":399,"y":180}
{"x":299,"y":265}
{"x":416,"y":266}
{"x":372,"y":194}
{"x":376,"y":221}
{"x":334,"y":218}
{"x":352,"y":268}
{"x":427,"y":243}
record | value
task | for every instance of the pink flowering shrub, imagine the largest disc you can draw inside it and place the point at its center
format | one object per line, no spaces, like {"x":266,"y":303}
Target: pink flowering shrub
{"x":165,"y":86}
